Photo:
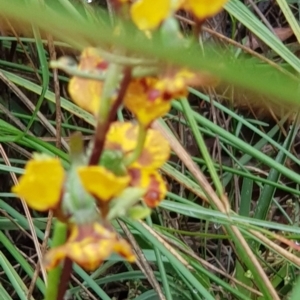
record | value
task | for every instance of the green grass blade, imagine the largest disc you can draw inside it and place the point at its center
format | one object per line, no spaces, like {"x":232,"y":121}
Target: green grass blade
{"x":21,"y":260}
{"x":265,"y":199}
{"x":296,"y":291}
{"x":14,"y":278}
{"x":177,"y":265}
{"x":4,"y":295}
{"x":246,"y":17}
{"x":246,"y":197}
{"x":161,"y":268}
{"x":188,"y":113}
{"x":290,"y":17}
{"x":199,"y":212}
{"x":242,"y":145}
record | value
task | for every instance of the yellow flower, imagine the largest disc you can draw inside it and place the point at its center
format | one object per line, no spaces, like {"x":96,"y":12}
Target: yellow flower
{"x":41,"y":183}
{"x":87,"y":92}
{"x":146,"y":103}
{"x":150,"y":98}
{"x":153,"y":182}
{"x":148,"y":14}
{"x":155,"y":153}
{"x":102,"y":183}
{"x":175,"y":84}
{"x":143,"y":172}
{"x":203,"y":9}
{"x":88,"y":246}
{"x":123,"y":137}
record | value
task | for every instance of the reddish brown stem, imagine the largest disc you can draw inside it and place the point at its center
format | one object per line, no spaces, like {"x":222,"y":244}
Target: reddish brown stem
{"x":103,"y":126}
{"x":64,"y":280}
{"x":197,"y":29}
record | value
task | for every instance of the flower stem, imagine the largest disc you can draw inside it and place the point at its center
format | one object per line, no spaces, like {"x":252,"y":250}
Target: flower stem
{"x":103,"y":125}
{"x":137,"y":71}
{"x":64,"y":278}
{"x":59,"y":238}
{"x":110,"y":87}
{"x":139,"y":147}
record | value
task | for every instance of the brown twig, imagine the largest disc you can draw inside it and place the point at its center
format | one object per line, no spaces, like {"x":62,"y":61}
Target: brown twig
{"x":58,"y":115}
{"x":43,"y":249}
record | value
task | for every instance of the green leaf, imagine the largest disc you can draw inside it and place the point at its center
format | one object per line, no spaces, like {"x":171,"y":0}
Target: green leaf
{"x":139,"y":212}
{"x":77,"y":148}
{"x":129,"y":197}
{"x":113,"y":161}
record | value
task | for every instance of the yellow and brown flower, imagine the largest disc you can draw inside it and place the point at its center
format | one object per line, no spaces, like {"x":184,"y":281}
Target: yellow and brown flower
{"x":44,"y":179}
{"x":145,"y":101}
{"x":103,"y":185}
{"x":87,"y":92}
{"x":152,"y":181}
{"x":148,"y":14}
{"x":144,"y":171}
{"x":123,"y":136}
{"x":150,"y":98}
{"x":88,"y":246}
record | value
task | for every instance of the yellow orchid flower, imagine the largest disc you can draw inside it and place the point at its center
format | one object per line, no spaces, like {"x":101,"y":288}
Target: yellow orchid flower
{"x":123,"y":136}
{"x":148,"y":14}
{"x":41,"y":183}
{"x":145,"y":102}
{"x":87,"y":92}
{"x":147,"y":98}
{"x":143,"y":172}
{"x":88,"y":246}
{"x":203,"y":9}
{"x":102,"y":183}
{"x":150,"y":98}
{"x":152,"y":181}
